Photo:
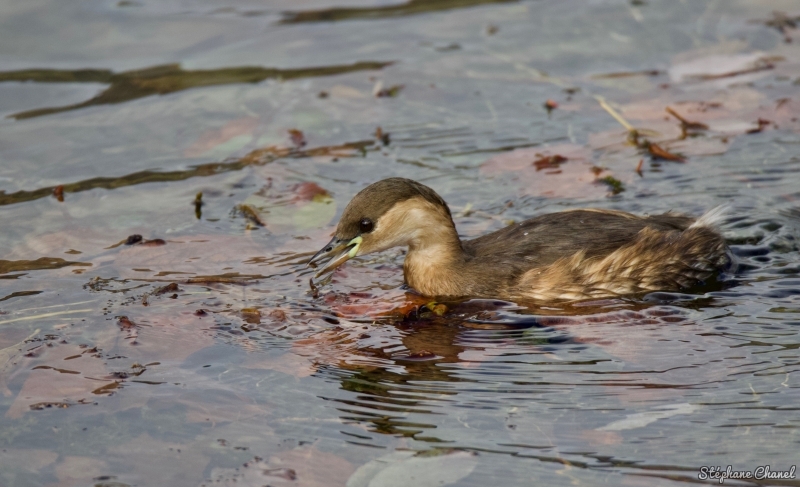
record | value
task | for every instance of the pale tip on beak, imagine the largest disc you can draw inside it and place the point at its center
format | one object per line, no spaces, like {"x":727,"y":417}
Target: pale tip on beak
{"x":336,"y":253}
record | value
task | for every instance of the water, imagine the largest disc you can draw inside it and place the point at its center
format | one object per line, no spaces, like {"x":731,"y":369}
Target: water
{"x":243,"y":375}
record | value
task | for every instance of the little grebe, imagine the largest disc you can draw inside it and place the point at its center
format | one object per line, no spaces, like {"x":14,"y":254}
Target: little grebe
{"x":570,"y":255}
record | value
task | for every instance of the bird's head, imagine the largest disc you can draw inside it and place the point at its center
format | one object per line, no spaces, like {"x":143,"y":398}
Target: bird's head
{"x":390,"y":213}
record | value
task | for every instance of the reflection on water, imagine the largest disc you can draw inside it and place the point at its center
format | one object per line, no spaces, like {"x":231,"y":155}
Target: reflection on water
{"x":413,"y":365}
{"x":257,"y":157}
{"x":411,"y":7}
{"x":161,"y":80}
{"x":8,"y":266}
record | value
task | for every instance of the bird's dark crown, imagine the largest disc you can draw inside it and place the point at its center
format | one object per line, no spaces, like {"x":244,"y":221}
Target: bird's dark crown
{"x":376,"y":199}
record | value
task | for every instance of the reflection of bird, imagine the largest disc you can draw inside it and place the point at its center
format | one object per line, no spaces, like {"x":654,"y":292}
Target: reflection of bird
{"x":576,"y":254}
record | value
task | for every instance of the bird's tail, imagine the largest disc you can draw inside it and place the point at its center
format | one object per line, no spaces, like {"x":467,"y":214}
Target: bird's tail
{"x":713,"y":218}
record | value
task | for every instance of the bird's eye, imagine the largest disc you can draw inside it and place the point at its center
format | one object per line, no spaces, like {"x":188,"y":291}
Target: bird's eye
{"x":366,"y":225}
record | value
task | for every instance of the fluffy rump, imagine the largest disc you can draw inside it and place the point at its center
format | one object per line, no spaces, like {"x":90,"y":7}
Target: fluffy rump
{"x":713,"y":218}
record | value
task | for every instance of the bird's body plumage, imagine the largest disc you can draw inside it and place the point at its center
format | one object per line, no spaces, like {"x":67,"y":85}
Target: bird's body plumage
{"x":570,"y":255}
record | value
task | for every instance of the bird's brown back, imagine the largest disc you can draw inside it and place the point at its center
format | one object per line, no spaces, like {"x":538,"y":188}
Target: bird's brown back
{"x":502,"y":256}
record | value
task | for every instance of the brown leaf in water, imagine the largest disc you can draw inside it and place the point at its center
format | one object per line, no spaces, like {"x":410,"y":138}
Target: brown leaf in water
{"x":549,"y":162}
{"x":298,"y":138}
{"x":575,"y":180}
{"x":106,"y":390}
{"x":313,"y":287}
{"x":309,"y":191}
{"x":658,"y":152}
{"x":761,"y":124}
{"x":725,"y":113}
{"x":235,"y":278}
{"x":169,"y":288}
{"x":133,"y":240}
{"x":686,"y":124}
{"x":58,"y":193}
{"x":125,"y":323}
{"x":156,"y":242}
{"x":130,"y":240}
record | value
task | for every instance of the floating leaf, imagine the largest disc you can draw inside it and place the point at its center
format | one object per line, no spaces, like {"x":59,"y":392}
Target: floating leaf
{"x":58,"y":193}
{"x":310,"y":191}
{"x":657,"y":152}
{"x":298,"y":139}
{"x":549,"y":162}
{"x":169,"y":288}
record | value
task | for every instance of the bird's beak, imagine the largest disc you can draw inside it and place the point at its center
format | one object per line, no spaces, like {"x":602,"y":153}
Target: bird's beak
{"x":336,"y":253}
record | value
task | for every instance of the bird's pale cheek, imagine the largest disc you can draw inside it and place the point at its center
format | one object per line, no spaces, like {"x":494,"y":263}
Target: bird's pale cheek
{"x":367,"y":246}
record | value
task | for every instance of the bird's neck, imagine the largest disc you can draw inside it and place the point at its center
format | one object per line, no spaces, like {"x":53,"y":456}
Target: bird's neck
{"x":434,"y":260}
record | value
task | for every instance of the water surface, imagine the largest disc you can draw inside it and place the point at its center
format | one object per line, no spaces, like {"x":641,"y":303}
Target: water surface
{"x":199,"y":354}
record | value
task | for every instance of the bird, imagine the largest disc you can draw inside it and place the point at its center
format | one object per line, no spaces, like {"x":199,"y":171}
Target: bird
{"x":571,"y":255}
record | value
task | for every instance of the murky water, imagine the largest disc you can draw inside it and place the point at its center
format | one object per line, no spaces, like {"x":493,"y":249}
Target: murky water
{"x":241,"y":374}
